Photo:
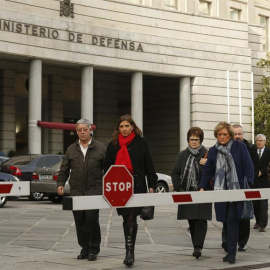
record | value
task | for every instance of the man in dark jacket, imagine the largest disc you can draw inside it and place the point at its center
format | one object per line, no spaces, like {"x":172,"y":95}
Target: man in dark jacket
{"x":261,"y":181}
{"x":244,"y":224}
{"x":83,"y":165}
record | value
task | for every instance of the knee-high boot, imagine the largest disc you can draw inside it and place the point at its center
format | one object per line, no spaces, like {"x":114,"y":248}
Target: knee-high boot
{"x":130,"y":237}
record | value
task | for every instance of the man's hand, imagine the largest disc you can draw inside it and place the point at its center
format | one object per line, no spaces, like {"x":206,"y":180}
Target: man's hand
{"x":151,"y":190}
{"x":260,"y":174}
{"x":60,"y":190}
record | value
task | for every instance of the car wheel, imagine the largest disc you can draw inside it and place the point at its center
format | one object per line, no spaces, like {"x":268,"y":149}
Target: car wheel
{"x":55,"y":198}
{"x":3,"y":201}
{"x":161,"y":188}
{"x":36,"y":196}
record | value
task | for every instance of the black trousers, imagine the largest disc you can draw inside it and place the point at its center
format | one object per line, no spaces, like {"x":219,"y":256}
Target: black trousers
{"x":261,"y":212}
{"x":244,"y":232}
{"x":232,"y":223}
{"x":88,"y":231}
{"x":198,"y":229}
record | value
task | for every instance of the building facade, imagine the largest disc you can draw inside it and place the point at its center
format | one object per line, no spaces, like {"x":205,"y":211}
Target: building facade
{"x":171,"y":64}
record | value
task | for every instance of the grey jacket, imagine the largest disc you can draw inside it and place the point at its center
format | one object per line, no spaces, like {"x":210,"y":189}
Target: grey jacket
{"x":85,"y":173}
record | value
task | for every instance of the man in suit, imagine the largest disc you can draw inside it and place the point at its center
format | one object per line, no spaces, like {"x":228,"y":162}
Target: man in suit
{"x":261,"y":181}
{"x":244,"y":224}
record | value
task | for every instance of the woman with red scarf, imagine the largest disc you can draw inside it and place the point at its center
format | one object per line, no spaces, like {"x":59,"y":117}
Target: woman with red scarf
{"x":129,"y":148}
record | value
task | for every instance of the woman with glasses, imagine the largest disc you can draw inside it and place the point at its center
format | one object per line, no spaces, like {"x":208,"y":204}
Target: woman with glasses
{"x":228,"y":164}
{"x":186,"y":175}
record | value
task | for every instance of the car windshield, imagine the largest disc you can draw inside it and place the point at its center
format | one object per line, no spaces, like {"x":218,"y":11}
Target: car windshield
{"x":21,"y":160}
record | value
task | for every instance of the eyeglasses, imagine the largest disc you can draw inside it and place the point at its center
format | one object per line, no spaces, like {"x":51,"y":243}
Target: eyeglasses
{"x":238,"y":134}
{"x":260,"y":140}
{"x":194,"y":140}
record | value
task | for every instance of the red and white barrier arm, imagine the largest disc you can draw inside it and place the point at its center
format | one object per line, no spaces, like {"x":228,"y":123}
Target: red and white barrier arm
{"x":14,"y":188}
{"x":158,"y":199}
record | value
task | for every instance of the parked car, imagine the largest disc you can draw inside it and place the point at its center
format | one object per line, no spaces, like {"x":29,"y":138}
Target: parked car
{"x":23,"y":167}
{"x":164,"y":183}
{"x":3,"y":159}
{"x":4,"y":177}
{"x":44,"y":181}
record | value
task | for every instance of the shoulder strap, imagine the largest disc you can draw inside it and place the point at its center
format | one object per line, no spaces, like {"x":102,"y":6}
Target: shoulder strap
{"x":206,"y":154}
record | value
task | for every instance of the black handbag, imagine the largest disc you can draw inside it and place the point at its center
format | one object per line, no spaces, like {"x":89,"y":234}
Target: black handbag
{"x":147,"y":212}
{"x":247,"y":211}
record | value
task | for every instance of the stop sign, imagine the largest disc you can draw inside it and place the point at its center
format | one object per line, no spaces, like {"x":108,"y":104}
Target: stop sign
{"x":117,"y":186}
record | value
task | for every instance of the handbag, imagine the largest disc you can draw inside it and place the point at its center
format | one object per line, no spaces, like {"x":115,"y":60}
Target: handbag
{"x":247,"y":211}
{"x":147,"y":212}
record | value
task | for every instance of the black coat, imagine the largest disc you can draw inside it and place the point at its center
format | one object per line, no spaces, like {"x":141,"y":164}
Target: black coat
{"x":142,"y":163}
{"x":189,"y":211}
{"x":254,"y":156}
{"x":85,"y":172}
{"x":262,"y":181}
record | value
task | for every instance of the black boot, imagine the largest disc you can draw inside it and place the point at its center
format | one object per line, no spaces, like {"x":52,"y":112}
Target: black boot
{"x":130,"y":237}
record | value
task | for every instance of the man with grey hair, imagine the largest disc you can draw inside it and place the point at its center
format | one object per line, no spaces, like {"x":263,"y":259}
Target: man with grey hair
{"x":261,"y":181}
{"x":83,"y":165}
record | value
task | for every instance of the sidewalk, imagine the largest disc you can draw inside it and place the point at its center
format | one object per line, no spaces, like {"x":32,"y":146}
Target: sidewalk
{"x":39,"y":235}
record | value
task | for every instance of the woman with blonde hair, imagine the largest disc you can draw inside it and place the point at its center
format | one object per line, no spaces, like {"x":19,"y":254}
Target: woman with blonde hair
{"x":229,"y":165}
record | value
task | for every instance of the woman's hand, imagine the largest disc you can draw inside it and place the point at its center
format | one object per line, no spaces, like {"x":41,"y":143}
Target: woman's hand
{"x":151,"y":190}
{"x":201,"y":189}
{"x":203,"y":161}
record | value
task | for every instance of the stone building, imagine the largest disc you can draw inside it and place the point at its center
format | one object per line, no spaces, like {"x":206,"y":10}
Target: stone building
{"x":171,"y":64}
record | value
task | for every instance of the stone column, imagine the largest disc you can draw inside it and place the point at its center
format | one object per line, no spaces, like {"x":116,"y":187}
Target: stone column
{"x":8,"y":114}
{"x":251,"y":12}
{"x":223,"y":10}
{"x":87,"y":95}
{"x":55,"y":114}
{"x":35,"y":98}
{"x":137,"y":98}
{"x":184,"y":111}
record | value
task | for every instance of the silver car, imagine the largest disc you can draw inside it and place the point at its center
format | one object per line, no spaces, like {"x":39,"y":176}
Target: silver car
{"x":164,"y":183}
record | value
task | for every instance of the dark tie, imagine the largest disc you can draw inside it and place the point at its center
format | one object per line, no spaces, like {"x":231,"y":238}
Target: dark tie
{"x":260,"y":153}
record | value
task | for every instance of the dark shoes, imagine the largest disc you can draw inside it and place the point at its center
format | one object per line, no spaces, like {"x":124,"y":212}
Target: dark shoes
{"x":262,"y":229}
{"x":256,"y":226}
{"x":242,"y":247}
{"x":92,"y":257}
{"x":229,"y":259}
{"x":197,"y":253}
{"x":82,"y":257}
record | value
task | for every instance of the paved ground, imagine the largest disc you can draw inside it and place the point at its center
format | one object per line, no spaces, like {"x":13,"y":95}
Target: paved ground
{"x":40,"y":235}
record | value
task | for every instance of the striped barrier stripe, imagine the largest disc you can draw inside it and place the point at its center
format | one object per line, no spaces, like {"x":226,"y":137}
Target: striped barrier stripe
{"x":15,"y":188}
{"x":5,"y":188}
{"x":174,"y":198}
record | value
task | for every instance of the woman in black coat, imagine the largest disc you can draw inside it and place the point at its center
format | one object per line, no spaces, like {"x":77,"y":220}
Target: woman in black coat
{"x":186,"y":175}
{"x":129,"y":148}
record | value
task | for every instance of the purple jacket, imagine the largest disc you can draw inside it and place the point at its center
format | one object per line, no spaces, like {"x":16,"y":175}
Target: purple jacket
{"x":244,"y":168}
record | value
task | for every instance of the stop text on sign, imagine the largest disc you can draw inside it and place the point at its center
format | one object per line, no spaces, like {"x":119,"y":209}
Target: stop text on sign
{"x":115,"y":186}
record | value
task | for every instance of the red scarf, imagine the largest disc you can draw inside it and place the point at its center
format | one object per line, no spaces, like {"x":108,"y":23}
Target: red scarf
{"x":122,"y":157}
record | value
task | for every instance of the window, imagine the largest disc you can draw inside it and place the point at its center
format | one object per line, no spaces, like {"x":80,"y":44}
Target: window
{"x":264,"y":24}
{"x":235,"y":14}
{"x":170,"y":4}
{"x":205,"y":7}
